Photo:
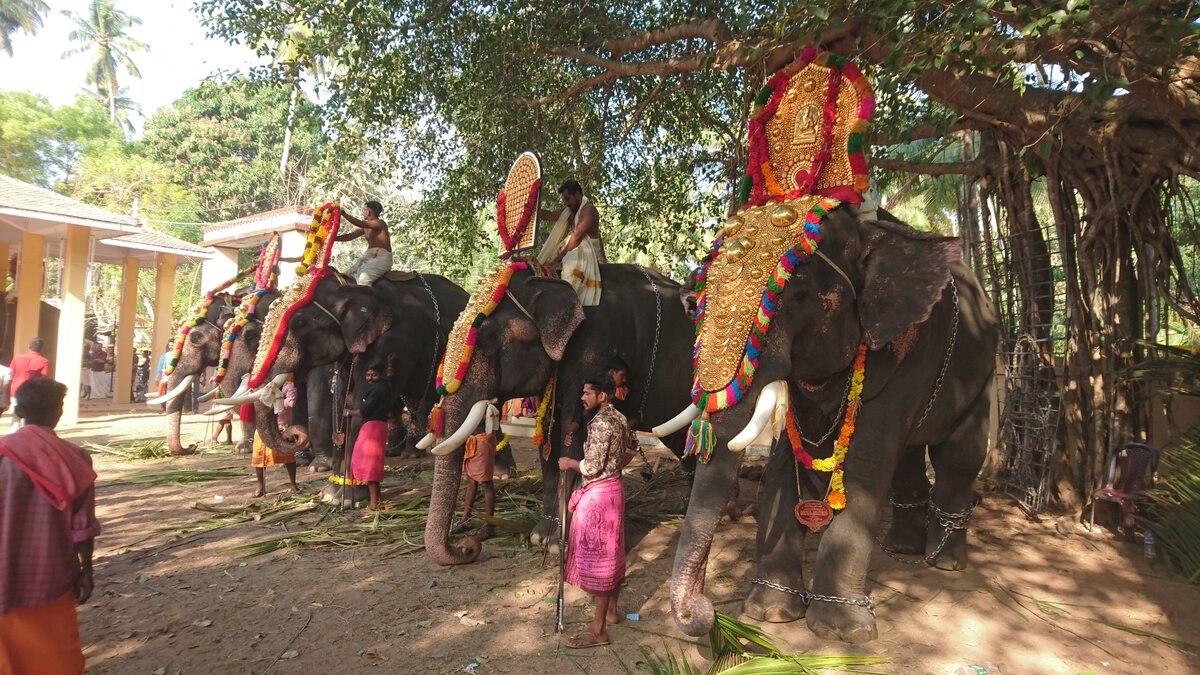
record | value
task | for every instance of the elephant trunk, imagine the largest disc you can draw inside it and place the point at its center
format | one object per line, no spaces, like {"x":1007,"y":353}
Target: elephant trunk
{"x":175,"y":415}
{"x":715,"y":483}
{"x":447,"y":470}
{"x":289,"y":441}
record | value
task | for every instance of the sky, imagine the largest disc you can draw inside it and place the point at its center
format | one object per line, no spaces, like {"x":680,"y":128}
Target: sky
{"x":180,"y":55}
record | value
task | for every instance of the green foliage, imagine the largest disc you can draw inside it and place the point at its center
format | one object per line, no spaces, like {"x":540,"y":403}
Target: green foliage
{"x":116,"y":179}
{"x":43,"y":144}
{"x":101,"y":32}
{"x":223,"y":140}
{"x":25,"y":15}
{"x":1174,"y":514}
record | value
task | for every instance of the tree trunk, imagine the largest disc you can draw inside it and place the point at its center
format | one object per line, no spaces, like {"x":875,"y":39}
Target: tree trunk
{"x":287,"y":133}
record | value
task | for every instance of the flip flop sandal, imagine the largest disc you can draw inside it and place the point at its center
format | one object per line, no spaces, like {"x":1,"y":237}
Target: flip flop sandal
{"x":585,"y":641}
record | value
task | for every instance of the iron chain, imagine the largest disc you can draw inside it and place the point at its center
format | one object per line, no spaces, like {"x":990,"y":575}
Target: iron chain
{"x":554,"y":519}
{"x":809,"y":597}
{"x":912,"y":505}
{"x":937,"y":386}
{"x":653,"y":354}
{"x":950,"y":523}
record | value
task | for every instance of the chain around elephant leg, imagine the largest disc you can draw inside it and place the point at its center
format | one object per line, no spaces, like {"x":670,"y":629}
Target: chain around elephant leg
{"x":949,"y":522}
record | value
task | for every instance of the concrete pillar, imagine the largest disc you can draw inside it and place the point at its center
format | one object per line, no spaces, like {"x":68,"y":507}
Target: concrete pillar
{"x":291,"y":245}
{"x":218,"y":269}
{"x":164,"y":301}
{"x":71,"y":318}
{"x":126,"y":322}
{"x":31,"y":266}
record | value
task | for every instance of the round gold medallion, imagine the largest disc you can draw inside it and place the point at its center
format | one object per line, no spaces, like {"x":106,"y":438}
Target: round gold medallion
{"x":783,"y":216}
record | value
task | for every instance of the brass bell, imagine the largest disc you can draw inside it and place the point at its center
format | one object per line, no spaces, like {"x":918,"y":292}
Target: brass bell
{"x":783,"y":216}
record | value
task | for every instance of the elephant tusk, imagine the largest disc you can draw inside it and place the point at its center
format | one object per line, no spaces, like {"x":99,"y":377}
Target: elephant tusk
{"x":223,"y":403}
{"x":210,"y":394}
{"x":426,"y":442}
{"x":253,"y":395}
{"x":218,"y":409}
{"x":474,"y":417}
{"x":676,"y":423}
{"x":174,"y":393}
{"x":764,"y":412}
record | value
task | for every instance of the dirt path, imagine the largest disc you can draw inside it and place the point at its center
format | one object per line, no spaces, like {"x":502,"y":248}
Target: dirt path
{"x":197,"y":607}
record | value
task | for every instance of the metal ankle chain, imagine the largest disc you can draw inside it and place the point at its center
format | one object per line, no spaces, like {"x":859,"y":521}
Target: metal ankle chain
{"x":810,"y":597}
{"x":553,"y":519}
{"x":950,"y":522}
{"x":912,"y":505}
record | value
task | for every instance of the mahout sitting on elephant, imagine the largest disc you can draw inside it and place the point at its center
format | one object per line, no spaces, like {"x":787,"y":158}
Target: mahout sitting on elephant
{"x":867,"y":342}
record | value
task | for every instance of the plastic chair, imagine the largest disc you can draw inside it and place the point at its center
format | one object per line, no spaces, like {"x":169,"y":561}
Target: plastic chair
{"x":1136,"y":478}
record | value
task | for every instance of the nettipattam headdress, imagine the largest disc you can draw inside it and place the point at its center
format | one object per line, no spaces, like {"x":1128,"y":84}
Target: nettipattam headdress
{"x":265,"y":278}
{"x":805,"y":158}
{"x":314,"y":267}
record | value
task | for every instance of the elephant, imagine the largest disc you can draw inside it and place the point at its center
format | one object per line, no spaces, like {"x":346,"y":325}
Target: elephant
{"x":241,"y":361}
{"x":401,"y":323}
{"x":539,"y":331}
{"x":931,"y":335}
{"x":201,"y":349}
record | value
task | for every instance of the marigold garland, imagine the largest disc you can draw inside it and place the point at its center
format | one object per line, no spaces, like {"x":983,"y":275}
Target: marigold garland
{"x":539,"y":431}
{"x":199,"y":315}
{"x":833,"y":463}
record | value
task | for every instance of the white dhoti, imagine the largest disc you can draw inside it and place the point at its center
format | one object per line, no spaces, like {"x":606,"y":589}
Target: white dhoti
{"x":581,"y":269}
{"x":374,"y":263}
{"x":100,"y":385}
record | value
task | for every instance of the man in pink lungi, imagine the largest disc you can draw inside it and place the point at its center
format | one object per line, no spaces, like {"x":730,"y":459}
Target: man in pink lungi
{"x":596,"y":552}
{"x":366,"y":464}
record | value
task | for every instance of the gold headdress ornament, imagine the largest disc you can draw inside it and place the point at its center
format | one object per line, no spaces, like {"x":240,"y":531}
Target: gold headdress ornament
{"x":805,"y":158}
{"x":313,"y":267}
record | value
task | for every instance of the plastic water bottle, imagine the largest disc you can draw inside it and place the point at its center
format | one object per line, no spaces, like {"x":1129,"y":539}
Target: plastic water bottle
{"x":1148,"y":542}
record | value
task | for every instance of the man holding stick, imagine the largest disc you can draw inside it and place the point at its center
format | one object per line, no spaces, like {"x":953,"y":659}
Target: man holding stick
{"x":596,"y":551}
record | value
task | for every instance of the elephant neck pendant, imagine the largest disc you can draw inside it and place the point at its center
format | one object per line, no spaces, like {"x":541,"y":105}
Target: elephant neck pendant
{"x":814,"y":513}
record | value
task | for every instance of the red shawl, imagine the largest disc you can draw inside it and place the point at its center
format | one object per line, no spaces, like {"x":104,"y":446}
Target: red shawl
{"x":58,"y":470}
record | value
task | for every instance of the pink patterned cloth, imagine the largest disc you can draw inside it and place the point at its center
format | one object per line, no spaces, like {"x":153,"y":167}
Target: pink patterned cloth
{"x":596,"y":552}
{"x":369,"y":447}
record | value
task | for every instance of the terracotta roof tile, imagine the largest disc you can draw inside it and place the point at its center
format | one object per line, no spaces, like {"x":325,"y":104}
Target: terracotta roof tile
{"x":152,"y":239}
{"x":15,"y":194}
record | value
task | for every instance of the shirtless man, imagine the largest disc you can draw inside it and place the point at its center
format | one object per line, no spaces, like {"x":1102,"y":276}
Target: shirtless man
{"x":377,"y":259}
{"x":584,"y":214}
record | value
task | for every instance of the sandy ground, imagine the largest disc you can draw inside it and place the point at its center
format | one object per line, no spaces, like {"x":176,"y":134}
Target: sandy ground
{"x":169,"y":605}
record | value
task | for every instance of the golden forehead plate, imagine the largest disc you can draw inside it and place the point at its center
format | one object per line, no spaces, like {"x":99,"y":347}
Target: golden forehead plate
{"x":794,"y":133}
{"x":456,"y":344}
{"x":736,"y":281}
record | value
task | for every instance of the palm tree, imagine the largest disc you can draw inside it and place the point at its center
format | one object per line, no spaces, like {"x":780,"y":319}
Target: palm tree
{"x":290,"y":55}
{"x":23,"y":14}
{"x":121,"y":103}
{"x":102,"y":32}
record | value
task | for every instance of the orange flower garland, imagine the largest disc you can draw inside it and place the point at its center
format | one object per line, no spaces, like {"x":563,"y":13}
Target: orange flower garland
{"x":833,"y":463}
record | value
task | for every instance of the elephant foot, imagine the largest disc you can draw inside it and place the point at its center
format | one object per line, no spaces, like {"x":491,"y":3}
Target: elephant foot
{"x":332,"y":494}
{"x":768,"y":604}
{"x":953,"y":556}
{"x":304,"y":458}
{"x":506,"y":466}
{"x":837,"y":621}
{"x":731,"y":513}
{"x":544,"y":533}
{"x":189,"y":450}
{"x":906,"y":537}
{"x":244,"y":447}
{"x":320,"y":463}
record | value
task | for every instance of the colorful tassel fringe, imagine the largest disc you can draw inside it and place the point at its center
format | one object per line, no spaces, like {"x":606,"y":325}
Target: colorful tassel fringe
{"x":701,"y":440}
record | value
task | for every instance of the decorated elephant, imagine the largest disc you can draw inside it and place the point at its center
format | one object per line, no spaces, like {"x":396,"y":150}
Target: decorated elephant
{"x":240,"y":344}
{"x":402,"y":323}
{"x":867,"y":342}
{"x":198,"y":348}
{"x":528,"y":329}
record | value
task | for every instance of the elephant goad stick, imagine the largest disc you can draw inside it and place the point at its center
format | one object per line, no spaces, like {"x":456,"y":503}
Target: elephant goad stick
{"x":562,"y":550}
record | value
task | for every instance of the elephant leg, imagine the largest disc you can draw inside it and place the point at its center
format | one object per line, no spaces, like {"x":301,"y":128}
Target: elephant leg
{"x":547,"y":530}
{"x":780,"y":543}
{"x":506,"y":464}
{"x":956,"y":463}
{"x":840,"y":573}
{"x":910,"y":494}
{"x":246,"y":445}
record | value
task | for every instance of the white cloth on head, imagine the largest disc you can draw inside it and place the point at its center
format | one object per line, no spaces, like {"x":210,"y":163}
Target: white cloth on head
{"x":374,"y":263}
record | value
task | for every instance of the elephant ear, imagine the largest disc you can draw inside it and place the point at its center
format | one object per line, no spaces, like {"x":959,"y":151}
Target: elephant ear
{"x":557,"y":312}
{"x":905,"y":273}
